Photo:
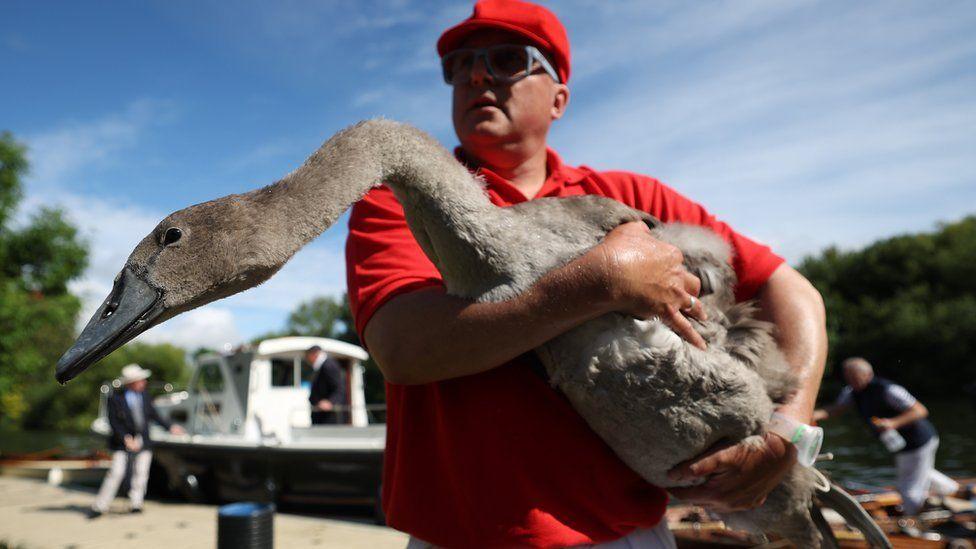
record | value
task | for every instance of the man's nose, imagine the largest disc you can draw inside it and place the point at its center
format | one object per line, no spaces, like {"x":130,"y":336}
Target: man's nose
{"x":479,"y":71}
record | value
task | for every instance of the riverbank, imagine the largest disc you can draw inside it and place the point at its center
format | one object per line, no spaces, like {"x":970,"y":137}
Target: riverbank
{"x":35,"y":515}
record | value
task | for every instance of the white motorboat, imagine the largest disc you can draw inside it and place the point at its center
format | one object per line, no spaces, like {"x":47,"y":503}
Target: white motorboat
{"x":249,"y":432}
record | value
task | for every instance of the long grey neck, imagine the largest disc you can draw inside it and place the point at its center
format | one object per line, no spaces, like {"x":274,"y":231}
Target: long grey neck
{"x":443,"y":203}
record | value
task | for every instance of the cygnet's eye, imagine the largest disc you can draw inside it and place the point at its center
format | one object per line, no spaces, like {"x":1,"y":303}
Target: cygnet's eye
{"x":172,"y":236}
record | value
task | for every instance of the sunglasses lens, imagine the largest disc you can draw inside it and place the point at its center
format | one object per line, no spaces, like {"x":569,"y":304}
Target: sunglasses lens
{"x":456,"y":63}
{"x":505,"y":63}
{"x":508,"y":61}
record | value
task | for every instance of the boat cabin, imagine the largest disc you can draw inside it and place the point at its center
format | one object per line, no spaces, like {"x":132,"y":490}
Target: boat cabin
{"x":261,"y":391}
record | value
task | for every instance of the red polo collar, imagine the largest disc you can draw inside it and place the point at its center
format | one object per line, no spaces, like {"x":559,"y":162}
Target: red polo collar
{"x":558,"y":176}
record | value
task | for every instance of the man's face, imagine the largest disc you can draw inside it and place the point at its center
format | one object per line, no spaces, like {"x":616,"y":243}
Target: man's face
{"x":857,"y":378}
{"x":488,"y":113}
{"x":311,"y":356}
{"x":138,"y":386}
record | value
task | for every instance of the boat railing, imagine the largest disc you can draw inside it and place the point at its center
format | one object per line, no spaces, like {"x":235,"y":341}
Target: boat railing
{"x":211,"y":413}
{"x":375,"y":413}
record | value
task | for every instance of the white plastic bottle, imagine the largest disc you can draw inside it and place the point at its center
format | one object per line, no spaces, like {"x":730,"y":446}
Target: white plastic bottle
{"x":892,"y":440}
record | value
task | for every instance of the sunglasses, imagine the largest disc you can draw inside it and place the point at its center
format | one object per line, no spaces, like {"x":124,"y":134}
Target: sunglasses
{"x":505,"y":63}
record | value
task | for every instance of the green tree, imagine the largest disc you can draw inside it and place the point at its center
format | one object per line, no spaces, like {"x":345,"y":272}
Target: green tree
{"x":907,"y":304}
{"x":323,"y":317}
{"x":45,"y":255}
{"x":72,"y":407}
{"x":13,"y":164}
{"x":37,"y":313}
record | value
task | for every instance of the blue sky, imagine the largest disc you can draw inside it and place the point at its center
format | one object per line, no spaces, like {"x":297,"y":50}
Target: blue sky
{"x":804,"y":124}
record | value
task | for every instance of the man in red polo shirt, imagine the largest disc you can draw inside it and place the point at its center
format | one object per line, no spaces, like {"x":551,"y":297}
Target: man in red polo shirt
{"x":481,"y":451}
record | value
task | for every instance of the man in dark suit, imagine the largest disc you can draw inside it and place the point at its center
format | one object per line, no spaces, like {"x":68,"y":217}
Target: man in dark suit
{"x":129,"y":412}
{"x":328,"y":396}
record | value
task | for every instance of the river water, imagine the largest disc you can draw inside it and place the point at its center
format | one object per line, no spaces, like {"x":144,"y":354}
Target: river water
{"x":859,"y":459}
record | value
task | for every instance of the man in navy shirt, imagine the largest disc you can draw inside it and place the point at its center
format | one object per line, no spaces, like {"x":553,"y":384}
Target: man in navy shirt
{"x":884,"y":405}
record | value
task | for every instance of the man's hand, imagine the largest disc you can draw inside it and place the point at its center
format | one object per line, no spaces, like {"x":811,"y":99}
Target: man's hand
{"x":131,"y":443}
{"x":740,"y":476}
{"x":177,"y":430}
{"x":646,"y":277}
{"x":883,"y":423}
{"x":324,"y":405}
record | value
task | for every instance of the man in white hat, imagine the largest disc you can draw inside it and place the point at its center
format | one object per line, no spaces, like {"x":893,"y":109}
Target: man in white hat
{"x":129,"y":412}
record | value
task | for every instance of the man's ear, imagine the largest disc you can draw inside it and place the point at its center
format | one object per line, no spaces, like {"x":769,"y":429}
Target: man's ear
{"x":560,"y":101}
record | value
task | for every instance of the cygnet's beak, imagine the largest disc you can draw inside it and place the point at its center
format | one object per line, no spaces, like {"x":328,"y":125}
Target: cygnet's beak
{"x":127,"y":312}
{"x":708,"y":284}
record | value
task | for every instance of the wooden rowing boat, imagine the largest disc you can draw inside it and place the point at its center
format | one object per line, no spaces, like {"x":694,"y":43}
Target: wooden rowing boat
{"x":946,"y":523}
{"x":51,"y":466}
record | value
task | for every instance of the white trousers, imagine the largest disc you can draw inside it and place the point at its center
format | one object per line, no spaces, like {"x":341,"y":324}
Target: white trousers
{"x":917,"y":475}
{"x":116,"y":474}
{"x":658,"y":537}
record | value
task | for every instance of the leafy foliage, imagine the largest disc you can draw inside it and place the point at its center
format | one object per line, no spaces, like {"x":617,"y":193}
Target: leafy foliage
{"x":37,"y":313}
{"x":323,"y":317}
{"x":74,"y":406}
{"x":45,"y":255}
{"x":907,"y":304}
{"x":13,"y":164}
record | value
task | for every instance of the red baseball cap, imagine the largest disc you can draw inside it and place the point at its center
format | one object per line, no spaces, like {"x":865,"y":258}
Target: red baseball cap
{"x":532,"y":21}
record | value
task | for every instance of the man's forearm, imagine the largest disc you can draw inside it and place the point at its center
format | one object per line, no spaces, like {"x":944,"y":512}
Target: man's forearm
{"x":915,"y":413}
{"x":790,"y":302}
{"x":428,"y":336}
{"x":827,"y":412}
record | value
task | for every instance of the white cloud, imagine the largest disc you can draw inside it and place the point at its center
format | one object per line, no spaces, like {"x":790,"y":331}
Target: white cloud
{"x":319,"y":269}
{"x":259,"y":156}
{"x":212,"y":327}
{"x":74,"y":146}
{"x":14,"y":42}
{"x":802,"y":125}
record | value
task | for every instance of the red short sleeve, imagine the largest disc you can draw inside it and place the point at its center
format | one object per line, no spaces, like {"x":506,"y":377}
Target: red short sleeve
{"x":753,"y":262}
{"x":382,"y":257}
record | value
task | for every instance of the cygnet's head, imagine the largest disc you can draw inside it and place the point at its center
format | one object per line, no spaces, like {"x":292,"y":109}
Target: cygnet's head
{"x":194,"y":256}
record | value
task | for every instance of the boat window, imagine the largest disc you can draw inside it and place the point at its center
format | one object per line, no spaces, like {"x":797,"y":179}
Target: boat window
{"x":282,"y":372}
{"x":307,"y":374}
{"x":210,"y":378}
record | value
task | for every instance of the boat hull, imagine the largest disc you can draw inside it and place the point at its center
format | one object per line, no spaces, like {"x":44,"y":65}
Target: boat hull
{"x":306,"y":475}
